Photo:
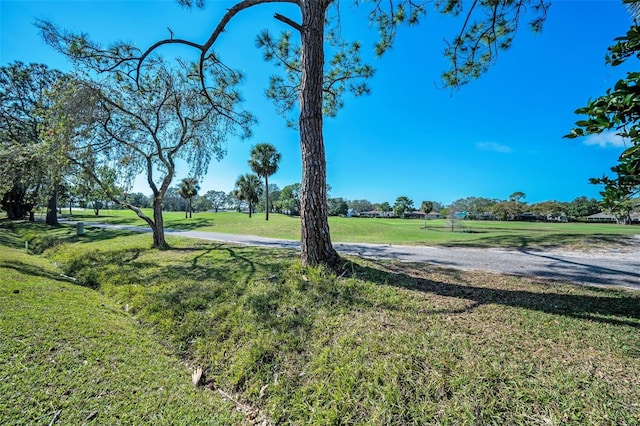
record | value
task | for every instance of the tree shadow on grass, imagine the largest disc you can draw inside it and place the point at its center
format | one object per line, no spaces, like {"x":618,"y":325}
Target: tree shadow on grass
{"x":542,"y":240}
{"x":10,"y":240}
{"x":190,"y":224}
{"x":221,"y":273}
{"x":580,"y":271}
{"x":33,"y":271}
{"x":610,"y":307}
{"x":101,"y":234}
{"x":138,"y":265}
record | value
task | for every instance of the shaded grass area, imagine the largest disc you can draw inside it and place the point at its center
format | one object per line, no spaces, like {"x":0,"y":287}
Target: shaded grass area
{"x":401,"y":231}
{"x":547,"y":240}
{"x":69,"y":355}
{"x":391,"y":343}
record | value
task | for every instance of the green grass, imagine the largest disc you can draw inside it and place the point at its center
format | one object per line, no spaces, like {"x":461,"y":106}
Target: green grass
{"x":389,"y":343}
{"x":68,"y":354}
{"x":399,"y":231}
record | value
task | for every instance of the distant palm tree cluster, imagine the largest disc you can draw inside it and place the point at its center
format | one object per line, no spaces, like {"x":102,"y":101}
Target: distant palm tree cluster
{"x":264,"y":162}
{"x":189,"y":188}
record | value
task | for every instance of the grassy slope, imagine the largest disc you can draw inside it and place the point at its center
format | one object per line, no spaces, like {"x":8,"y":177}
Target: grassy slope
{"x":396,"y":231}
{"x":392,"y":344}
{"x":68,"y":352}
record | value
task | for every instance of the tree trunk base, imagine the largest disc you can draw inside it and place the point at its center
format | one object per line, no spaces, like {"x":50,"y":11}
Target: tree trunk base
{"x":330,"y":259}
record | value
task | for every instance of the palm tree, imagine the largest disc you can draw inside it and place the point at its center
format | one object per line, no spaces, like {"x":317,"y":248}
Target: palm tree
{"x":426,"y":208}
{"x":264,"y":162}
{"x":248,"y":189}
{"x":189,"y":188}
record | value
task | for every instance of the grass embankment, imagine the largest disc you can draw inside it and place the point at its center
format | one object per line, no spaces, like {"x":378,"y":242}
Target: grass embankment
{"x":397,"y":231}
{"x":390,"y":344}
{"x":69,"y":355}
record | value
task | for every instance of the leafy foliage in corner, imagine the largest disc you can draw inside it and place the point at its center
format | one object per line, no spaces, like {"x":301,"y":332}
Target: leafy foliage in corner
{"x":618,"y":111}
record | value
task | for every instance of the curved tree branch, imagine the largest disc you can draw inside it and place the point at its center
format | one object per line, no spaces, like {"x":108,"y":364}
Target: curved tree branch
{"x":288,"y":21}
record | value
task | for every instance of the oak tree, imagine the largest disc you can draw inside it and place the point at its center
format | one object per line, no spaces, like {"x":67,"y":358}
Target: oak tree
{"x":143,"y":127}
{"x":29,"y":166}
{"x":216,"y":198}
{"x":289,"y":200}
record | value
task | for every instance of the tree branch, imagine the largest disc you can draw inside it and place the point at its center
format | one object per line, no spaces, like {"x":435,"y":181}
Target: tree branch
{"x":288,"y":21}
{"x":107,"y":190}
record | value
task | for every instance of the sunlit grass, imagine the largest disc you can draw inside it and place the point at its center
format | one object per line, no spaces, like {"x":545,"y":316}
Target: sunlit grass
{"x":69,"y":355}
{"x":398,"y":231}
{"x":388,"y":343}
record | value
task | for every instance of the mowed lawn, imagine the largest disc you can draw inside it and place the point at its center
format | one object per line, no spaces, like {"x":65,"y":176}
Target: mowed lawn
{"x":394,"y":231}
{"x":70,"y":355}
{"x":386,"y":343}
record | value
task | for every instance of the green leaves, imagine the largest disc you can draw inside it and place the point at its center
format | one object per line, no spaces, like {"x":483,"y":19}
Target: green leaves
{"x":31,"y":157}
{"x":625,"y":47}
{"x":189,"y":188}
{"x":248,"y":189}
{"x":264,"y":159}
{"x":489,"y":27}
{"x":388,"y":16}
{"x":345,"y":72}
{"x":618,"y":110}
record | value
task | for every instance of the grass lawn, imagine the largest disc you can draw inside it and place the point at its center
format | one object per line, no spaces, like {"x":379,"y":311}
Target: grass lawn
{"x":69,"y":354}
{"x":396,"y":231}
{"x":387,"y":344}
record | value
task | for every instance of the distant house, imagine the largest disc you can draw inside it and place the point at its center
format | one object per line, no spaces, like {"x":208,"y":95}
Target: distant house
{"x":434,"y":215}
{"x":609,"y":218}
{"x":528,"y":217}
{"x":486,"y":216}
{"x":557,"y":218}
{"x":376,"y":213}
{"x":601,"y":217}
{"x":416,"y":214}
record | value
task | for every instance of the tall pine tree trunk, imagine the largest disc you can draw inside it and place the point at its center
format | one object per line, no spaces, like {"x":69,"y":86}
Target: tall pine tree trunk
{"x":316,"y":240}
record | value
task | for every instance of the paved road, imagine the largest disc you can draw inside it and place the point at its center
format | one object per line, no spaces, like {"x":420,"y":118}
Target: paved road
{"x":604,"y":268}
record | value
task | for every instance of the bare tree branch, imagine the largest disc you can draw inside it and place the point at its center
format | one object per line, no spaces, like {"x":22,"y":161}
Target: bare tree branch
{"x":288,"y":21}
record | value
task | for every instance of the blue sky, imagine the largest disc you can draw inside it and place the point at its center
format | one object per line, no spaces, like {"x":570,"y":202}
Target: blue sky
{"x":498,"y":135}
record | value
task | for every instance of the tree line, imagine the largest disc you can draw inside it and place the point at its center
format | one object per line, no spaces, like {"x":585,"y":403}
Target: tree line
{"x":286,"y":200}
